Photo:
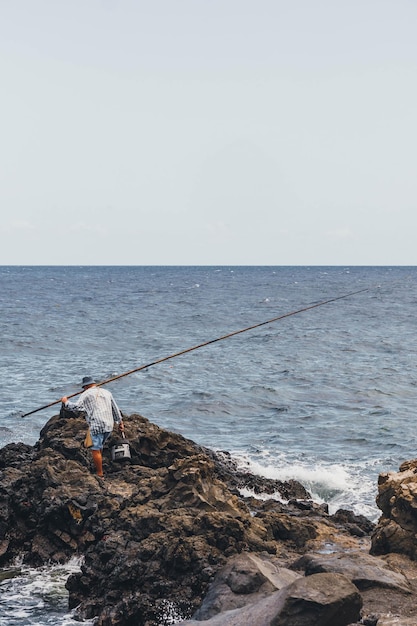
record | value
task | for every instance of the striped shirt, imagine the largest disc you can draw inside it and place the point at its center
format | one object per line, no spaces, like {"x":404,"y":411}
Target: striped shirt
{"x":101,"y":411}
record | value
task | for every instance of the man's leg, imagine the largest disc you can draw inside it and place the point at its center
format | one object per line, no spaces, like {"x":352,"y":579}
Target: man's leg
{"x":97,"y":447}
{"x":98,"y":461}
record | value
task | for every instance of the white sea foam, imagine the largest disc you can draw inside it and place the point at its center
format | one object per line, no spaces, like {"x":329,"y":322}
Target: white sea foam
{"x":251,"y":493}
{"x":37,"y":596}
{"x":340,"y":486}
{"x":171,"y":614}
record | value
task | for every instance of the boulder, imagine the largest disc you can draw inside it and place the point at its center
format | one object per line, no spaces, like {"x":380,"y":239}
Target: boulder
{"x":245,"y":579}
{"x":357,"y":525}
{"x":317,"y":600}
{"x":363,"y":570}
{"x":396,"y":530}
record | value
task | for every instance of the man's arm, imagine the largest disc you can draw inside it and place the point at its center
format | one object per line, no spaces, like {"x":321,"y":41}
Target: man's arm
{"x":117,"y":416}
{"x":72,"y":405}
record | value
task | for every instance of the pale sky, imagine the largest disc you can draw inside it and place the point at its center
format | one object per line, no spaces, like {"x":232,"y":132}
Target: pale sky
{"x":219,"y":132}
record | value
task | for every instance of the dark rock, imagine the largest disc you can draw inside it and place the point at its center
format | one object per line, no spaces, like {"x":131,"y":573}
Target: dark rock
{"x":308,"y":506}
{"x":357,"y":525}
{"x":286,"y":527}
{"x":396,"y":530}
{"x":245,"y":579}
{"x":318,"y":600}
{"x":363,"y":570}
{"x":157,"y":530}
{"x":15,"y":454}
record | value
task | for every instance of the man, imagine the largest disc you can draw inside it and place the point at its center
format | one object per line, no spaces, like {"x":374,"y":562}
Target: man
{"x":101,"y":411}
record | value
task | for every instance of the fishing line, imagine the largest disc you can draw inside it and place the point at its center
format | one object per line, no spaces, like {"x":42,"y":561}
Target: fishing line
{"x":207,"y":343}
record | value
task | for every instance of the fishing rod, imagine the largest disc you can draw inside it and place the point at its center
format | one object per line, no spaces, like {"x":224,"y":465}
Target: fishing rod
{"x":206,"y":343}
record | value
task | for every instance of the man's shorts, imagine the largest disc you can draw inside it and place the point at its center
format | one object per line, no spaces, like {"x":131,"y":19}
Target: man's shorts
{"x":99,"y":440}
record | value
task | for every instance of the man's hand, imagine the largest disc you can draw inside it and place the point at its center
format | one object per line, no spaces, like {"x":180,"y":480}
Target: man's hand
{"x":64,"y":399}
{"x":121,"y":426}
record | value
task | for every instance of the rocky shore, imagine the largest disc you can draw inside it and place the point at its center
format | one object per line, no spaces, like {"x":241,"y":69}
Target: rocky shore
{"x":167,"y":537}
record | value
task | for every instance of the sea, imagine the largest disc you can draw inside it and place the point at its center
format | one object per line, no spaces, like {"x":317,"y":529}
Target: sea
{"x":325,"y":395}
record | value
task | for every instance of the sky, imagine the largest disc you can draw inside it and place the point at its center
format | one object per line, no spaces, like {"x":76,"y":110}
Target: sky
{"x":208,"y":132}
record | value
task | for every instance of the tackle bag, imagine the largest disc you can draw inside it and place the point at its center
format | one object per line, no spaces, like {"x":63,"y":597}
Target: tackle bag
{"x":88,"y":442}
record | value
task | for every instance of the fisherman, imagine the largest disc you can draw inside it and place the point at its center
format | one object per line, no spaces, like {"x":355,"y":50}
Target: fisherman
{"x":101,"y":411}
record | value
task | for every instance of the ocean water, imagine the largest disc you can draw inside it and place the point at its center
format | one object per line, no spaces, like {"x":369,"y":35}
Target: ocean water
{"x":326,"y":396}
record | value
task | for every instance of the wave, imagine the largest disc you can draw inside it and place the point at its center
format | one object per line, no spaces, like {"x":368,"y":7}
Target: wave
{"x":31,"y":596}
{"x":338,"y":485}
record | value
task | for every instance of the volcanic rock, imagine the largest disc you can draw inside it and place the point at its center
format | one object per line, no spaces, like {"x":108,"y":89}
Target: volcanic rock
{"x":245,"y":579}
{"x":363,"y":570}
{"x":397,"y":498}
{"x":157,"y":530}
{"x":318,"y":600}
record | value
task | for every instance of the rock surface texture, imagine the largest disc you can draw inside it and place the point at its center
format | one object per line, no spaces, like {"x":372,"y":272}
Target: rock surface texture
{"x":319,"y":600}
{"x":397,"y":499}
{"x":168,"y":538}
